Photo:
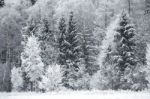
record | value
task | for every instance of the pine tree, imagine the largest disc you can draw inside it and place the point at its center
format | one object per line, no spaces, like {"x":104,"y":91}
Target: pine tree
{"x":32,"y":64}
{"x":61,"y":41}
{"x":89,"y":52}
{"x":125,"y":57}
{"x":125,"y":44}
{"x":70,"y":51}
{"x":2,"y":3}
{"x":48,"y":43}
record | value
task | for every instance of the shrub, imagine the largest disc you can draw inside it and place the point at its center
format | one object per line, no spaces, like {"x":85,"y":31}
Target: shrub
{"x":52,"y":79}
{"x":16,"y":79}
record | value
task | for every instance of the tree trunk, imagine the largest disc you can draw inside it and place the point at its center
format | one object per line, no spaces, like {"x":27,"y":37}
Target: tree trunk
{"x":8,"y":62}
{"x":129,"y":6}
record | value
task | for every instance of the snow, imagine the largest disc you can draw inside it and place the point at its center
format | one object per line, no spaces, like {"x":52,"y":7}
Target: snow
{"x":78,"y":95}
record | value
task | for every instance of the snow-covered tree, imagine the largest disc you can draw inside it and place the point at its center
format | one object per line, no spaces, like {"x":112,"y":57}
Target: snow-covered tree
{"x":71,"y":52}
{"x":32,"y":64}
{"x":48,"y":43}
{"x":90,"y":52}
{"x":16,"y":79}
{"x":125,"y":44}
{"x":123,"y":55}
{"x":52,"y":78}
{"x":61,"y":41}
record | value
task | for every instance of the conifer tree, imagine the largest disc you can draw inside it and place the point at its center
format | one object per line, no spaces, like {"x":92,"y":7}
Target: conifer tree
{"x":61,"y":41}
{"x":125,"y":44}
{"x":71,"y":52}
{"x":48,"y":43}
{"x":125,"y":57}
{"x":89,"y":52}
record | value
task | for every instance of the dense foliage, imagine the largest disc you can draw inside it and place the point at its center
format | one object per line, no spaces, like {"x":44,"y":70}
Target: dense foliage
{"x":51,"y":45}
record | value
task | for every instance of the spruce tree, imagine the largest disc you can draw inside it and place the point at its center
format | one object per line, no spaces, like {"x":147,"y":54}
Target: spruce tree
{"x":61,"y":41}
{"x":124,"y":56}
{"x":70,"y":51}
{"x":48,"y":43}
{"x":125,"y":44}
{"x":89,"y":52}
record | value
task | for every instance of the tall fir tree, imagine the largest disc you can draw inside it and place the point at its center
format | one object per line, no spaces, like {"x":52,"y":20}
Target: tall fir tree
{"x":48,"y":43}
{"x":61,"y":40}
{"x":124,"y":57}
{"x":70,"y":51}
{"x":89,"y":52}
{"x":125,"y":44}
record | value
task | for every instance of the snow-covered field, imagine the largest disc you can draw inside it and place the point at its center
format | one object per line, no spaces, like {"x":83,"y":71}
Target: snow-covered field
{"x":78,"y":95}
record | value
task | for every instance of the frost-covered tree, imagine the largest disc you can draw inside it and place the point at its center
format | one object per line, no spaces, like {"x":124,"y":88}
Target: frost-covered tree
{"x":61,"y":41}
{"x":90,"y":52}
{"x":125,"y":44}
{"x":131,"y":75}
{"x":48,"y":43}
{"x":32,"y":64}
{"x":16,"y":79}
{"x":123,"y":55}
{"x":52,"y":78}
{"x":71,"y":52}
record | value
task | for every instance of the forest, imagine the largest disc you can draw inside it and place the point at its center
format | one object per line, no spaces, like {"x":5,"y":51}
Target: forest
{"x":54,"y":45}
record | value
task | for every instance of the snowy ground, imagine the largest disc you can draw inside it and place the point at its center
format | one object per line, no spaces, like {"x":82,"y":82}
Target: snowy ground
{"x":78,"y":95}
